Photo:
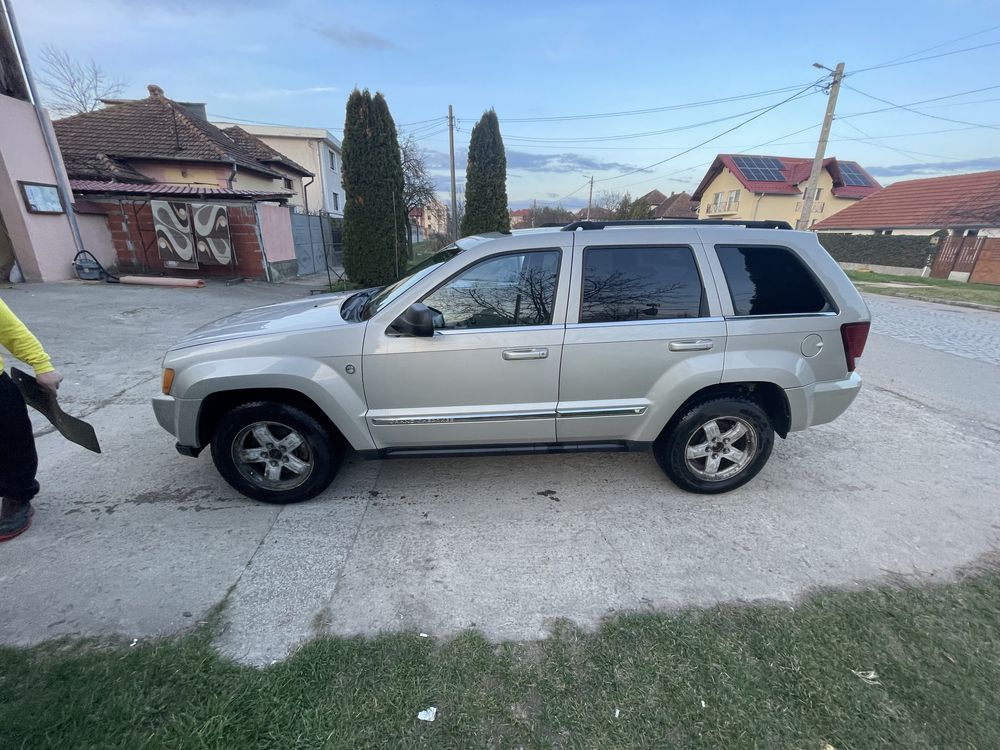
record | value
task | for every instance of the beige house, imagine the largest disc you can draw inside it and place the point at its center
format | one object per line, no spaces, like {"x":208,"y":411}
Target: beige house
{"x":317,"y":150}
{"x":739,"y":186}
{"x":429,"y":220}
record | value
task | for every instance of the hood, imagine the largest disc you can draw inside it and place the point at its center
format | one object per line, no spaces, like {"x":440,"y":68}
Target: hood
{"x":285,"y":317}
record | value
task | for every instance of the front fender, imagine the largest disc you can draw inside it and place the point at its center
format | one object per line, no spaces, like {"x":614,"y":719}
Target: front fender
{"x":324,"y":382}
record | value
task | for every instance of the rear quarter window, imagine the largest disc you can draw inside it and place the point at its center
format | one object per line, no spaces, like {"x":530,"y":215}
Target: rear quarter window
{"x":770,"y":281}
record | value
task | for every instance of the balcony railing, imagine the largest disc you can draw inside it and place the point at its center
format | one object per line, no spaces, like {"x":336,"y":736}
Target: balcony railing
{"x":817,"y":206}
{"x":721,"y":209}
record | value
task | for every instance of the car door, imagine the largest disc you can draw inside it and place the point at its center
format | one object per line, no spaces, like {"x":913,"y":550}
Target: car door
{"x":490,"y":373}
{"x":644,"y":331}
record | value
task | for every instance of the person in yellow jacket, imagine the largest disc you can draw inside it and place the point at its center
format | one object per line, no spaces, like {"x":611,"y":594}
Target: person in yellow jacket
{"x":18,"y":459}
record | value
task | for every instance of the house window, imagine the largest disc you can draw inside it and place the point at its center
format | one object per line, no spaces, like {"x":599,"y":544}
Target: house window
{"x":336,"y":201}
{"x":717,"y":201}
{"x":971,"y":232}
{"x":815,"y":196}
{"x":333,"y":160}
{"x":734,"y":197}
{"x":288,"y":183}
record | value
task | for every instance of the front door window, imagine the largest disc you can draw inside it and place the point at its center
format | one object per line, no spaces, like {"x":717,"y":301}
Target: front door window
{"x":505,"y":291}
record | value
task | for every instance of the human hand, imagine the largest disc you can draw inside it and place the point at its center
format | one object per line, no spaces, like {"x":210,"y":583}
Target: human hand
{"x":50,"y":381}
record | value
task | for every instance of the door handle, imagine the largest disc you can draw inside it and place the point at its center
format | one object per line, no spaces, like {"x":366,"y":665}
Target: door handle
{"x":525,"y":354}
{"x":692,"y":345}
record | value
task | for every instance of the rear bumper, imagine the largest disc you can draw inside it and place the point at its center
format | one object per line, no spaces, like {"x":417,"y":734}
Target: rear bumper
{"x":820,"y":403}
{"x":179,"y":417}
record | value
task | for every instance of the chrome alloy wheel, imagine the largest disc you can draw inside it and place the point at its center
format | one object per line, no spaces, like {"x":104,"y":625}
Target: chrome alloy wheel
{"x":272,"y":455}
{"x":721,"y":448}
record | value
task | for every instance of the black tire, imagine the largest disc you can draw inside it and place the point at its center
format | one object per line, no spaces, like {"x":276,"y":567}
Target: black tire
{"x":318,"y":451}
{"x":690,"y":429}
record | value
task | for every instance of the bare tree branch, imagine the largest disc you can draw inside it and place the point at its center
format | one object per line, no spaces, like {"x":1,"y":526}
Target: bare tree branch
{"x":72,"y":86}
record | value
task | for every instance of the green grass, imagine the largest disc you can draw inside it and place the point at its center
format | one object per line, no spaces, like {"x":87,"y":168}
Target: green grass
{"x":937,"y":290}
{"x":726,"y":677}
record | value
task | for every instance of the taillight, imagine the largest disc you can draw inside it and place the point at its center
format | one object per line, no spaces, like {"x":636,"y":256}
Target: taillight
{"x":854,"y":335}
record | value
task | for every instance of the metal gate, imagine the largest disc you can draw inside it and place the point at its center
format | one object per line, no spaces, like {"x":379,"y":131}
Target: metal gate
{"x":957,"y":254}
{"x":317,"y":240}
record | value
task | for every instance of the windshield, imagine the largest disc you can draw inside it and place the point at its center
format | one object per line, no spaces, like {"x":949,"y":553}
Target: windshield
{"x":389,"y":293}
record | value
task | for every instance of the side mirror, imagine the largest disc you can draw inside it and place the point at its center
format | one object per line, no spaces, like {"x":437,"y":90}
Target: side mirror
{"x":416,"y":320}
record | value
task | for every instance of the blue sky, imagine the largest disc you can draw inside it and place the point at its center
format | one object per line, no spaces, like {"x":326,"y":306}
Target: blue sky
{"x":296,"y":62}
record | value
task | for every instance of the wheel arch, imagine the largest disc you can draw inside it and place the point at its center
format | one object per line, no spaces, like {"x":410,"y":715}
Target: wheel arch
{"x":769,"y":396}
{"x":217,"y":404}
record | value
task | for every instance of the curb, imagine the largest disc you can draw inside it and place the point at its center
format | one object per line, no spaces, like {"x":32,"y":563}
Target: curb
{"x":936,"y":301}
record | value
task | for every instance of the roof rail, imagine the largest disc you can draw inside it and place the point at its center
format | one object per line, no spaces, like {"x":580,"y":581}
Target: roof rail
{"x":591,"y":224}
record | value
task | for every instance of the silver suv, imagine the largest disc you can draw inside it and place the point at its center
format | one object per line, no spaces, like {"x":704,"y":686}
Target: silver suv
{"x":700,"y":340}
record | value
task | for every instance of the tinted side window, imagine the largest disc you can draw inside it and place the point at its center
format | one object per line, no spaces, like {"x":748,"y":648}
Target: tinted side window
{"x":640,"y":283}
{"x":509,"y":290}
{"x":770,"y":281}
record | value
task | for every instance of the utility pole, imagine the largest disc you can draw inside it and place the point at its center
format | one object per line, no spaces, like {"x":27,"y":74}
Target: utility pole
{"x":454,"y":192}
{"x":534,"y":210}
{"x":590,"y":195}
{"x":824,"y":135}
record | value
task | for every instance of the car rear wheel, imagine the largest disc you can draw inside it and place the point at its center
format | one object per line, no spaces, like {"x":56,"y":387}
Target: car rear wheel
{"x":275,"y":453}
{"x":717,"y":445}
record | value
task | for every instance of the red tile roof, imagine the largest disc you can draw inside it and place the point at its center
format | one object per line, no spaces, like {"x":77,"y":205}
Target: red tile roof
{"x":101,"y":186}
{"x":969,"y":200}
{"x":795,"y":170}
{"x":100,"y":144}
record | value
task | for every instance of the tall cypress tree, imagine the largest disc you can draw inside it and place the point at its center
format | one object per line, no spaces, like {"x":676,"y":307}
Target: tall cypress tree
{"x":486,"y":179}
{"x":374,"y":216}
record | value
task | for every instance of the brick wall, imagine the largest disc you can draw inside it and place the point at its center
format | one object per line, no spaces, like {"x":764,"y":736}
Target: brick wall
{"x":134,"y":238}
{"x":987,"y":270}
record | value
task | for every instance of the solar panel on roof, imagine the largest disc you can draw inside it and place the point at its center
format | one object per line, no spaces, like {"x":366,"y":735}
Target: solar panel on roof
{"x":852,"y":175}
{"x":759,"y":168}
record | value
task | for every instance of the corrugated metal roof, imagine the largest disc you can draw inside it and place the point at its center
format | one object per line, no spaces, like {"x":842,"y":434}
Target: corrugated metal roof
{"x":99,"y":186}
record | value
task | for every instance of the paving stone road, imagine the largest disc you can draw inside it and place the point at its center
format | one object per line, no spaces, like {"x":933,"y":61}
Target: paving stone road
{"x":962,"y":331}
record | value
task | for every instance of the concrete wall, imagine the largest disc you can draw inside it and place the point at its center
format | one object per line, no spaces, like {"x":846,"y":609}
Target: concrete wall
{"x":176,"y":173}
{"x":43,"y":243}
{"x":909,"y":232}
{"x":97,"y":239}
{"x":891,"y":270}
{"x":775,"y":207}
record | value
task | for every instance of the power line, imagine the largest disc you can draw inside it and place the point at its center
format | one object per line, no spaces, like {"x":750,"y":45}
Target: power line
{"x":714,"y":137}
{"x":651,"y":110}
{"x":908,"y":107}
{"x":868,"y":138}
{"x":921,"y":59}
{"x":568,"y":195}
{"x":943,"y":44}
{"x":629,"y":136}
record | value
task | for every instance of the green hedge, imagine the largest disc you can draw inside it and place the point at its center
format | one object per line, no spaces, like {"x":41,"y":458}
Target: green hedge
{"x":885,"y":250}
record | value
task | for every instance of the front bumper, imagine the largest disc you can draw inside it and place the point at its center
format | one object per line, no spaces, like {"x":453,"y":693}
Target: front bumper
{"x":823,"y":402}
{"x":179,"y":417}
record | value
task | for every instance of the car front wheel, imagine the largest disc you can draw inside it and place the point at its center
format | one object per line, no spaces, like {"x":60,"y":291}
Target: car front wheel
{"x":717,"y":445}
{"x":274,"y":452}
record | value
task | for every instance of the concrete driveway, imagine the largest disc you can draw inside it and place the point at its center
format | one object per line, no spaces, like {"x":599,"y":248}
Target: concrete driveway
{"x":141,"y":542}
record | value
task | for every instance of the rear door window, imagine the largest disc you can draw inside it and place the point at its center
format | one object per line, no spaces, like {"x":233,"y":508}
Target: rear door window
{"x":770,"y":281}
{"x":622,"y":284}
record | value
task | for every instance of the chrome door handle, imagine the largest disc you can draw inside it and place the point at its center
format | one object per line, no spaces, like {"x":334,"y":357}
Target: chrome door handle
{"x":525,"y":353}
{"x":693,"y":345}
